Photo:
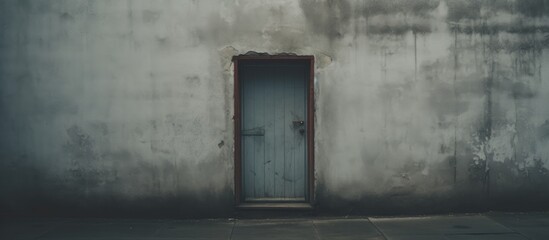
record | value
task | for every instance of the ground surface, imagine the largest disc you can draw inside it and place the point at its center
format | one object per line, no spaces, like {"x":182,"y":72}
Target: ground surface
{"x":500,"y":226}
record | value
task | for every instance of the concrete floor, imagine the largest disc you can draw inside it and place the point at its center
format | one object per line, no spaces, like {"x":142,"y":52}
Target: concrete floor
{"x":501,"y":226}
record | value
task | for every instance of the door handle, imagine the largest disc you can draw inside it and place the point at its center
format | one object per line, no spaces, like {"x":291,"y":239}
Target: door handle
{"x":298,"y":123}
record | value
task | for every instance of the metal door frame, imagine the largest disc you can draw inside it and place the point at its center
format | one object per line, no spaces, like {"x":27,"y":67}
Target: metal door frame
{"x":238,"y":121}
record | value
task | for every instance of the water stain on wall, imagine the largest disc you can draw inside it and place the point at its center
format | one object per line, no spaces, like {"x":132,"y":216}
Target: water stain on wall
{"x":463,"y":9}
{"x":328,"y":18}
{"x":483,"y":16}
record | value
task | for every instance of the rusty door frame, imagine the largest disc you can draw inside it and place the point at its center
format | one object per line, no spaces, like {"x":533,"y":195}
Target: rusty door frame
{"x":238,"y":121}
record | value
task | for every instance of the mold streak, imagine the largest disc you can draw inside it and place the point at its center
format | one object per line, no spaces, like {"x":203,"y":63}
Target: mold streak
{"x":456,"y":115}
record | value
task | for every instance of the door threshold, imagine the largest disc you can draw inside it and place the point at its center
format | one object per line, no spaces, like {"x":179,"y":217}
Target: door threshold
{"x":275,"y":206}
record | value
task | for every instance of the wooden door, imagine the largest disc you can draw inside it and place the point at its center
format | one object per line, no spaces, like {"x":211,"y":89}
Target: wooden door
{"x":273,"y":131}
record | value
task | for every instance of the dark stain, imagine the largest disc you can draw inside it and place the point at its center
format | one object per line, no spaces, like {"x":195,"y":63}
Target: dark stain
{"x":525,"y":47}
{"x":452,"y":163}
{"x":466,"y":10}
{"x":162,"y":41}
{"x":88,"y":178}
{"x":514,"y":179}
{"x":444,"y":149}
{"x":70,"y":201}
{"x":539,"y":174}
{"x":192,"y":81}
{"x":532,"y":8}
{"x":21,"y":179}
{"x":526,"y":44}
{"x":492,"y":28}
{"x":477,"y":170}
{"x":80,"y":144}
{"x":539,"y":168}
{"x":486,"y":130}
{"x":399,"y":29}
{"x":463,"y":9}
{"x":66,"y":16}
{"x":157,"y":149}
{"x":85,"y":171}
{"x":331,"y":204}
{"x":385,"y":7}
{"x":509,"y":174}
{"x":521,"y":90}
{"x":397,"y":17}
{"x":516,"y":89}
{"x":329,"y":18}
{"x":221,"y":144}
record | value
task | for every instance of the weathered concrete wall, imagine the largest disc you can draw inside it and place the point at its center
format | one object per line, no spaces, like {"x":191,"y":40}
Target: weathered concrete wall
{"x":125,"y":107}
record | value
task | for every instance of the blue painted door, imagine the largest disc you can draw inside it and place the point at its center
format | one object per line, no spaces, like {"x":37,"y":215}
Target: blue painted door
{"x":273,"y":135}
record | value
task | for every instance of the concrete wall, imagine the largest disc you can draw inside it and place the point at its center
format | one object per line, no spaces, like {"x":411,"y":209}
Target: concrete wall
{"x":125,"y":107}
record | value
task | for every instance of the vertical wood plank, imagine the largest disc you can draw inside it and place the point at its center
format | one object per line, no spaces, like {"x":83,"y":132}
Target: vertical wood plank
{"x":270,"y":82}
{"x":248,"y":141}
{"x":289,"y":132}
{"x":259,"y":123}
{"x":279,"y":128}
{"x":300,"y":137}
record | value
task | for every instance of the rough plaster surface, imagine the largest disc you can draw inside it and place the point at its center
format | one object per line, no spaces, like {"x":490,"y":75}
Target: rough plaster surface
{"x":126,"y":106}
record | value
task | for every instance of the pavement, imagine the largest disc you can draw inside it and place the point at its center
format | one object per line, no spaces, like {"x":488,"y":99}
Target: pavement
{"x":489,"y":226}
